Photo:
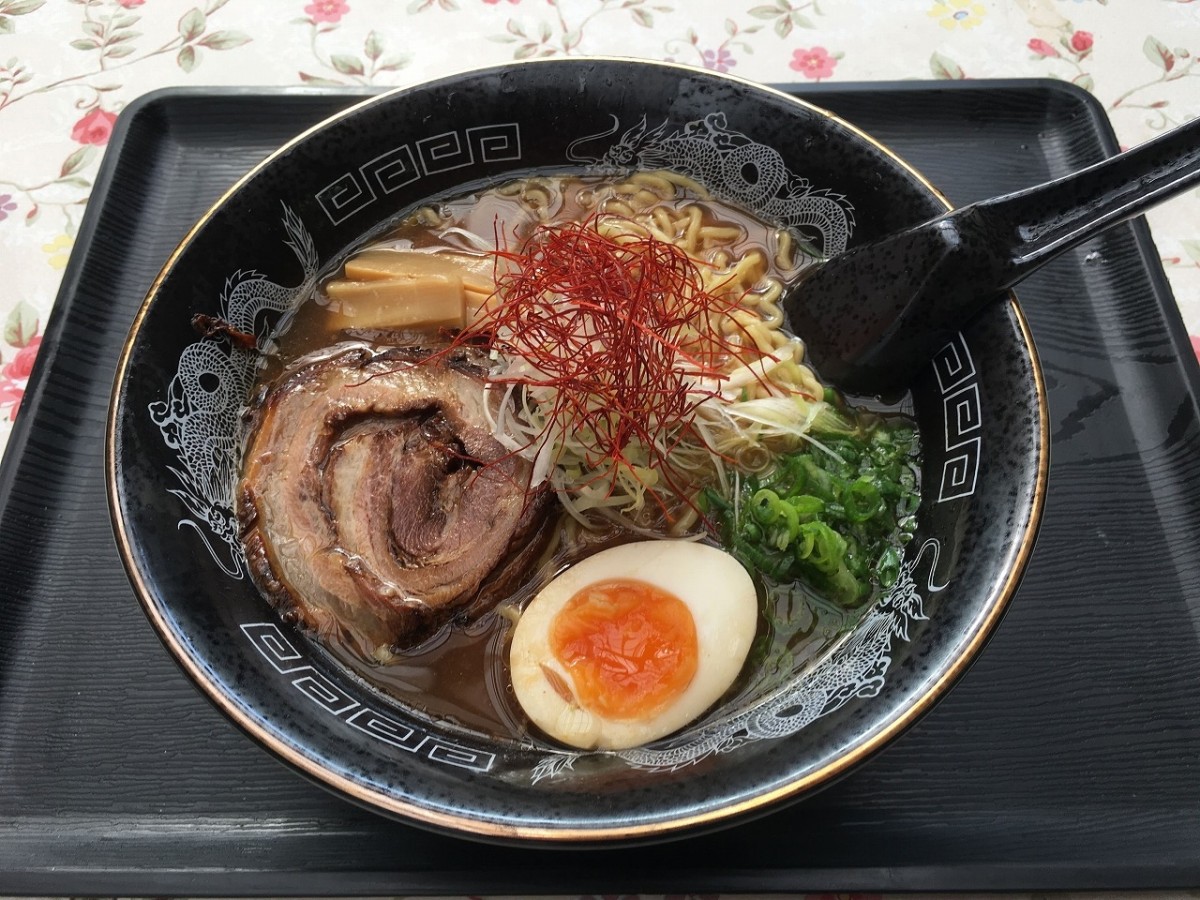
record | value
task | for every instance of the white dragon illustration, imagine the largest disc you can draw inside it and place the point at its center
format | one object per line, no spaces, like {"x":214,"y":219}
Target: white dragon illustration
{"x":734,"y":168}
{"x":201,"y":417}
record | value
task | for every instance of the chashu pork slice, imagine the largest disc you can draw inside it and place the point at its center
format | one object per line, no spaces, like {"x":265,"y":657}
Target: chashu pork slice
{"x":375,"y":501}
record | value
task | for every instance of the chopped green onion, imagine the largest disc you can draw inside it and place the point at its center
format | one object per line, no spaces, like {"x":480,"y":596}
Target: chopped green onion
{"x":835,"y":515}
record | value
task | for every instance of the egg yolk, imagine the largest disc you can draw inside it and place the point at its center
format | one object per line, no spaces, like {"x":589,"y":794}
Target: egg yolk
{"x":630,"y":647}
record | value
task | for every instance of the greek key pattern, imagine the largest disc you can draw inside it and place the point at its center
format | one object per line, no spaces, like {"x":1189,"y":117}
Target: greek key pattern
{"x":354,"y":191}
{"x":270,"y":641}
{"x":961,"y":409}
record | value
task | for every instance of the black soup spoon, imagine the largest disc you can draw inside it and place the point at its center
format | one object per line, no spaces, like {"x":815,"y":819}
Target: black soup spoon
{"x":873,"y":316}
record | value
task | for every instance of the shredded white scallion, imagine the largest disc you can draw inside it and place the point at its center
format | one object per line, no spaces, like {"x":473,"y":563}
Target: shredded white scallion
{"x":475,"y":240}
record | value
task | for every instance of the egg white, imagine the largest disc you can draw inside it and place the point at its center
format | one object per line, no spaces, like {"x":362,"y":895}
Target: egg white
{"x":721,"y":598}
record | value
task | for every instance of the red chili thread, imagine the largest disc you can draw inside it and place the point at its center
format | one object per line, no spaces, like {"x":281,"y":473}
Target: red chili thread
{"x":620,"y":329}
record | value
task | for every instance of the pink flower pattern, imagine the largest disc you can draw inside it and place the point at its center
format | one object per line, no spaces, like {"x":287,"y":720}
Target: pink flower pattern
{"x":11,"y":395}
{"x":1042,"y":48}
{"x":7,"y":205}
{"x":814,"y":63}
{"x":22,"y":364}
{"x":14,"y":376}
{"x":94,"y":128}
{"x":327,"y":10}
{"x":720,"y":59}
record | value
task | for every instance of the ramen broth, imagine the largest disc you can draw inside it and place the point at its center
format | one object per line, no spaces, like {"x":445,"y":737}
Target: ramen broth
{"x":460,"y":675}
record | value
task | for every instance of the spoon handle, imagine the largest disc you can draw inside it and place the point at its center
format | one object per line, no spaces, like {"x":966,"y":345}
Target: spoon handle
{"x":1047,"y":220}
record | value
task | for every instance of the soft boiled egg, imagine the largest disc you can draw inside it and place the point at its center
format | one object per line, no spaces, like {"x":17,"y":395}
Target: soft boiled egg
{"x":633,"y":643}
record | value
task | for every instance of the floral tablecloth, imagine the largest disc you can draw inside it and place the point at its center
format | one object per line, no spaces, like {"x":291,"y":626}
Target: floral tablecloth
{"x":68,"y":68}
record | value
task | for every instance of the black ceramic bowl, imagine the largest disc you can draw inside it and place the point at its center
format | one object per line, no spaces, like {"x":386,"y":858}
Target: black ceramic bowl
{"x":173,"y":453}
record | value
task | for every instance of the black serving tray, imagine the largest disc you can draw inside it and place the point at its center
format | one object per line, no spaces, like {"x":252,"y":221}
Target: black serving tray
{"x":1069,"y":757}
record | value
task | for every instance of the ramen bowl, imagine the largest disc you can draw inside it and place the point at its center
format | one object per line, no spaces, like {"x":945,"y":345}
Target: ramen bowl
{"x":174,"y":443}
